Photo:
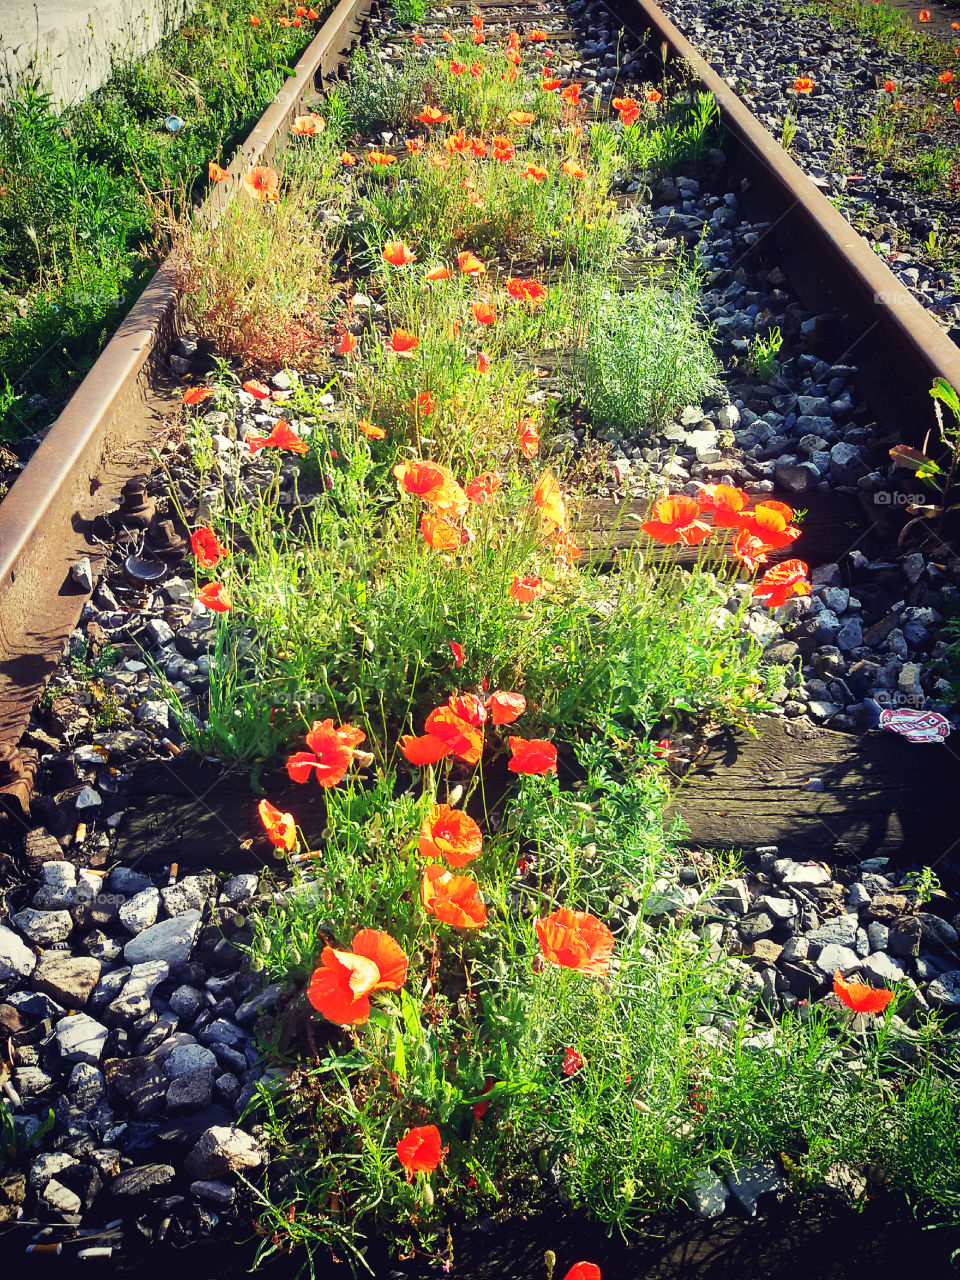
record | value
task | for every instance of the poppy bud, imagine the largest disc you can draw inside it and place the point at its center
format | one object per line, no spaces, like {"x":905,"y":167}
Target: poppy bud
{"x":455,"y":795}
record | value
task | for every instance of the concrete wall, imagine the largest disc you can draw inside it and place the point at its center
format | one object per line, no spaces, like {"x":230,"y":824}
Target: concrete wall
{"x":72,"y":45}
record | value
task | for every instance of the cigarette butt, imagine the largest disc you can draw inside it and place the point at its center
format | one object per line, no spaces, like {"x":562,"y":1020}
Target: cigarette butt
{"x":105,"y":1251}
{"x":174,"y":870}
{"x":171,"y":746}
{"x":86,"y":1232}
{"x":12,"y":1094}
{"x":81,"y":832}
{"x":45,"y":1248}
{"x":89,"y":871}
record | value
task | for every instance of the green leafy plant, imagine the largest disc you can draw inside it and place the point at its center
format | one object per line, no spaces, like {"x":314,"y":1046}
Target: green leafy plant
{"x":936,"y":476}
{"x":764,"y":351}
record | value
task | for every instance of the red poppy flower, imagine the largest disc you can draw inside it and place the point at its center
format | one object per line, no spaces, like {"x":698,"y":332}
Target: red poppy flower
{"x":313,"y":15}
{"x":283,"y":22}
{"x":527,"y":588}
{"x":956,"y":104}
{"x":450,"y":834}
{"x":924,"y":15}
{"x":398,"y":253}
{"x":346,"y":344}
{"x":628,"y":108}
{"x":440,"y":534}
{"x":571,"y":94}
{"x":257,"y":389}
{"x":548,"y":499}
{"x":482,"y":488}
{"x":675,"y":520}
{"x":330,"y":756}
{"x":478,"y":147}
{"x":381,"y":158}
{"x":480,"y":1108}
{"x":419,"y":1150}
{"x":549,"y":83}
{"x":216,"y":597}
{"x":479,"y":38}
{"x":421,"y":406}
{"x":262,"y":183}
{"x":946,"y":77}
{"x":770,"y":522}
{"x":470,"y":264}
{"x":216,"y":172}
{"x":468,"y":707}
{"x":576,"y":940}
{"x":521,"y":118}
{"x":197,"y":395}
{"x":583,"y":1271}
{"x":654,"y":95}
{"x":503,"y":148}
{"x":526,"y":289}
{"x":280,"y":827}
{"x":457,"y":68}
{"x":454,"y":900}
{"x":347,"y":159}
{"x":476,"y":70}
{"x":418,"y":40}
{"x":859,"y":997}
{"x":402,"y":343}
{"x":446,"y":36}
{"x":427,"y":749}
{"x":439,"y":273}
{"x":803,"y":84}
{"x":483,"y":313}
{"x":432,"y":115}
{"x":749,"y":550}
{"x":532,"y":756}
{"x":529,"y":438}
{"x":537,"y":35}
{"x":464,"y":739}
{"x":414,"y":144}
{"x":254,"y":20}
{"x":281,"y":437}
{"x":566,"y":550}
{"x":782,"y":581}
{"x":370,"y":429}
{"x":457,"y":652}
{"x":724,"y":501}
{"x":505,"y":706}
{"x":573,"y":170}
{"x":426,"y":480}
{"x":514,"y":57}
{"x":477,"y":21}
{"x":308,"y":126}
{"x":340,"y":988}
{"x":207,"y":548}
{"x":890,"y":86}
{"x":572,"y":1062}
{"x":483,"y":362}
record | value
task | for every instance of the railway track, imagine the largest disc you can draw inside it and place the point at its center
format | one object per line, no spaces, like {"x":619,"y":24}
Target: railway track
{"x":58,"y":512}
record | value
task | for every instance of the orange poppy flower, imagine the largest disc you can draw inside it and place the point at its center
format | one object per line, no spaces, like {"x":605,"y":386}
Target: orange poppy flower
{"x":432,"y":115}
{"x":527,"y":588}
{"x":505,"y":707}
{"x":924,"y":15}
{"x":548,"y":499}
{"x":478,"y":147}
{"x":628,"y":108}
{"x":457,"y":68}
{"x":859,"y":997}
{"x":675,"y":520}
{"x":281,"y":437}
{"x":347,"y":159}
{"x":418,"y":40}
{"x":300,"y":11}
{"x":529,"y":438}
{"x":725,"y":502}
{"x":419,"y":1150}
{"x":483,"y":362}
{"x":476,"y":70}
{"x":254,"y":20}
{"x":749,"y":550}
{"x":573,"y":170}
{"x":890,"y":86}
{"x":549,"y":83}
{"x":483,"y":313}
{"x":803,"y":84}
{"x":440,"y":533}
{"x":216,"y":597}
{"x":477,"y":21}
{"x":464,"y":739}
{"x":571,"y":94}
{"x":197,"y":395}
{"x":654,"y":95}
{"x":439,"y":273}
{"x":257,"y":389}
{"x":956,"y":104}
{"x":280,"y":827}
{"x":431,"y":482}
{"x":576,"y":940}
{"x":482,"y":488}
{"x":470,"y":264}
{"x":427,"y":749}
{"x":308,"y":126}
{"x":402,"y":343}
{"x":521,"y":118}
{"x":454,"y":900}
{"x":566,"y":550}
{"x":451,"y":834}
{"x":457,"y":143}
{"x":770,"y":522}
{"x":421,"y":406}
{"x":526,"y":289}
{"x":313,"y":15}
{"x":216,"y":172}
{"x":382,"y":158}
{"x":330,"y":755}
{"x":340,"y":988}
{"x":207,"y":548}
{"x":782,"y":581}
{"x":440,"y":162}
{"x":283,"y":22}
{"x":946,"y":77}
{"x":467,"y":706}
{"x":262,"y":183}
{"x":346,"y":344}
{"x":513,"y":56}
{"x":537,"y":35}
{"x":534,"y":173}
{"x":532,"y":755}
{"x":446,"y":37}
{"x":583,"y":1271}
{"x":398,"y":253}
{"x":503,"y":148}
{"x":414,"y":144}
{"x":370,"y":429}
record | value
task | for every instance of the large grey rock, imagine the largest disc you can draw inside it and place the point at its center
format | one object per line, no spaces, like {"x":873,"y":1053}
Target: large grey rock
{"x":842,"y":931}
{"x":170,"y":940}
{"x":188,"y":1058}
{"x":945,"y":990}
{"x":223,"y":1150}
{"x":801,"y":874}
{"x":17,"y":961}
{"x":189,"y":894}
{"x":264,"y":1001}
{"x":66,"y":978}
{"x":707,"y":1195}
{"x":752,"y":1185}
{"x":240,"y":888}
{"x":834,"y":957}
{"x":86,"y":1086}
{"x":139,"y":1083}
{"x":44,"y":927}
{"x":140,"y":911}
{"x":47,"y":1166}
{"x":190,"y":1092}
{"x":142,"y":1179}
{"x":879,"y":967}
{"x":219,"y":1194}
{"x":80,"y":1038}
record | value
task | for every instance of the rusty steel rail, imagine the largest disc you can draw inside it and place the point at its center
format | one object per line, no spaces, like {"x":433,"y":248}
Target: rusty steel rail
{"x":895,"y":342}
{"x":103,"y":438}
